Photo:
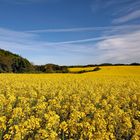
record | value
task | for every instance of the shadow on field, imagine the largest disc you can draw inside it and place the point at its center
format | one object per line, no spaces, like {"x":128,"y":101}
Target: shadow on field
{"x":85,"y":71}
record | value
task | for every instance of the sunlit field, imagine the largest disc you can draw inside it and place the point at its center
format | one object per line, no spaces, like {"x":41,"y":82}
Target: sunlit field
{"x":100,"y":105}
{"x":112,"y":70}
{"x":79,"y":69}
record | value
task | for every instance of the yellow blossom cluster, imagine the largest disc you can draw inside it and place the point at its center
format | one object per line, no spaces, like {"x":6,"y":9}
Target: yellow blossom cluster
{"x":102,"y":105}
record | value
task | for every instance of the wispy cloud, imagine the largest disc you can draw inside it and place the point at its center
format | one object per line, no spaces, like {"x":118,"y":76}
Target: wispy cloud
{"x":126,"y":11}
{"x":122,"y":49}
{"x":113,"y":47}
{"x":7,"y":33}
{"x":125,"y":7}
{"x":131,"y":16}
{"x":68,"y":29}
{"x":121,"y":11}
{"x":84,"y":29}
{"x":98,"y":5}
{"x":80,"y":41}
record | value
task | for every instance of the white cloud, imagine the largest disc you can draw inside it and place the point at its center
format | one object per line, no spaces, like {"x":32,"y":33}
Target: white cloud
{"x":85,"y":29}
{"x":69,"y":30}
{"x":116,"y":6}
{"x":116,"y":47}
{"x":98,"y":5}
{"x":121,"y":49}
{"x":11,"y":35}
{"x":131,"y":16}
{"x":121,"y":10}
{"x":82,"y":41}
{"x":126,"y":7}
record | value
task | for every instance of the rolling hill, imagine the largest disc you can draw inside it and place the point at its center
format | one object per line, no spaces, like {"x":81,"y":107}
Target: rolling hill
{"x":10,"y":62}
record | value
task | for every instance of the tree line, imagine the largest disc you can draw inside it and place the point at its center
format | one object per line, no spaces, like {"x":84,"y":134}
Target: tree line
{"x":13,"y":63}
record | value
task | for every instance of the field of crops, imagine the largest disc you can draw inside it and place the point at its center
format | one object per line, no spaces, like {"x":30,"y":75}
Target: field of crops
{"x":77,"y":69}
{"x":102,"y":105}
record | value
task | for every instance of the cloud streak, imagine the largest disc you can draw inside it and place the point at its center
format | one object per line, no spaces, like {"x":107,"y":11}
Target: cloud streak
{"x":83,"y":29}
{"x":116,"y":47}
{"x":122,"y":49}
{"x":131,"y":16}
{"x":122,"y":11}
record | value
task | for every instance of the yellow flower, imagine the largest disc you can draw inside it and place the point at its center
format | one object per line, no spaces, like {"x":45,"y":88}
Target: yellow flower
{"x":64,"y":126}
{"x":3,"y":123}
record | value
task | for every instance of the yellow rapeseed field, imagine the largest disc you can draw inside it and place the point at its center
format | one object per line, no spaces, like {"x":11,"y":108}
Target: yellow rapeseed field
{"x":101,"y":105}
{"x":77,"y":69}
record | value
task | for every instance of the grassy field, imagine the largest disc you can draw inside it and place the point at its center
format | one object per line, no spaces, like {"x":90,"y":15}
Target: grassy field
{"x":101,"y":105}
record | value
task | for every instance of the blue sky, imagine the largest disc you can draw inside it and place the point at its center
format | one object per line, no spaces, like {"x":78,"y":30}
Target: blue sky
{"x":71,"y":32}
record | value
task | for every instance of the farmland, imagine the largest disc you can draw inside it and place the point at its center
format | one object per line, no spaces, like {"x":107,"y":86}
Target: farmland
{"x":100,"y":105}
